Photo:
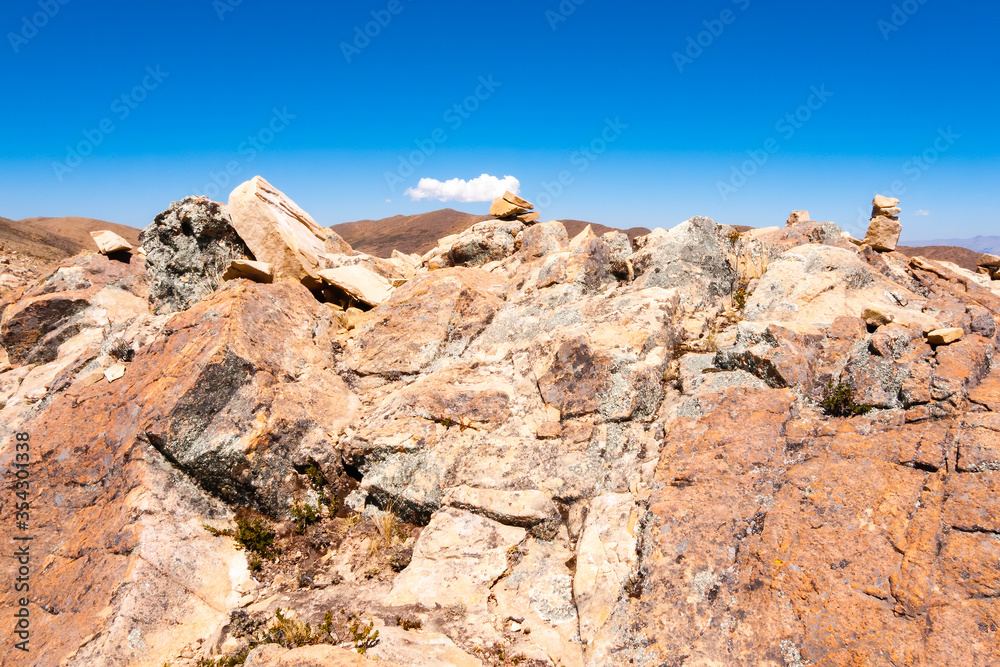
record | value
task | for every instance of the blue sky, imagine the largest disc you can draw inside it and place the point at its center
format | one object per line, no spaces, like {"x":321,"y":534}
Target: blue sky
{"x":615,"y":112}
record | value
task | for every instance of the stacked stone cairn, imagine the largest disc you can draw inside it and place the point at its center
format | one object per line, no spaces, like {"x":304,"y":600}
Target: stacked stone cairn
{"x":884,"y":230}
{"x":509,"y":206}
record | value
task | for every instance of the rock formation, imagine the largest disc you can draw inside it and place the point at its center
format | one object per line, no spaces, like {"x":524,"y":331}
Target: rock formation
{"x":189,"y":247}
{"x":509,"y":206}
{"x":884,"y":230}
{"x":771,"y":447}
{"x":280,"y":233}
{"x":108,"y":242}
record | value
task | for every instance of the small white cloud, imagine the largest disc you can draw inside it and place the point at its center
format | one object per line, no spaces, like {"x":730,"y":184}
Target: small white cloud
{"x":921,"y":212}
{"x":388,"y":201}
{"x":484,"y":188}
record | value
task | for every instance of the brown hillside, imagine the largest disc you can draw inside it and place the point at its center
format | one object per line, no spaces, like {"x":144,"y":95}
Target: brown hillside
{"x":967,"y":259}
{"x":420,"y":233}
{"x":78,"y":229}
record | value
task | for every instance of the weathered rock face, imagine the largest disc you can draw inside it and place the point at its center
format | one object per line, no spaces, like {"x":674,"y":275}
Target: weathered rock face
{"x":189,"y":247}
{"x":280,"y":233}
{"x":255,"y":394}
{"x":690,"y":257}
{"x":604,"y":457}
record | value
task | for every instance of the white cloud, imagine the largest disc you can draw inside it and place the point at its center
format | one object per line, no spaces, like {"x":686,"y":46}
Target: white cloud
{"x":484,"y":188}
{"x":921,"y":212}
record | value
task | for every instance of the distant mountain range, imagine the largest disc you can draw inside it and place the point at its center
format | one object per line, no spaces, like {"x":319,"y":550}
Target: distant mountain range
{"x":419,"y":233}
{"x":990,"y":244}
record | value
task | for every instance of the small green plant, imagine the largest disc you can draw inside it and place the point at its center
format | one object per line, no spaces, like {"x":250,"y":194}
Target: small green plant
{"x":363,"y":636}
{"x":740,"y":298}
{"x":838,"y":401}
{"x":305,"y":515}
{"x":255,"y":536}
{"x":255,"y":563}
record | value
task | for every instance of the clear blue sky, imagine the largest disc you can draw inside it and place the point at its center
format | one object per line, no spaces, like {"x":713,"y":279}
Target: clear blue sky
{"x":923,"y":82}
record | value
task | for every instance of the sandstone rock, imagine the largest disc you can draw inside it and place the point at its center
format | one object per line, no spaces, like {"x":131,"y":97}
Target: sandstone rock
{"x":945,"y":336}
{"x":511,"y":508}
{"x":881,"y":201}
{"x":108,"y":242}
{"x":544,"y":239}
{"x":116,"y":372}
{"x":528,"y":218}
{"x":360,"y":283}
{"x":259,"y":272}
{"x":457,"y":559}
{"x":990,"y":261}
{"x":796,"y":217}
{"x":818,"y":284}
{"x":400,"y":647}
{"x":509,"y":205}
{"x":883,"y":234}
{"x":606,"y":559}
{"x":189,"y":247}
{"x":280,"y":233}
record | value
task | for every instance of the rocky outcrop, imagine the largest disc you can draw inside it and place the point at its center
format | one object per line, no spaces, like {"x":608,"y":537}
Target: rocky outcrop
{"x":189,"y":247}
{"x":280,"y":233}
{"x":529,"y":449}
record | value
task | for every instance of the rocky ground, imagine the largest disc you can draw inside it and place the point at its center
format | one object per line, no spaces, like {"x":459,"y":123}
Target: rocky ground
{"x":703,"y":447}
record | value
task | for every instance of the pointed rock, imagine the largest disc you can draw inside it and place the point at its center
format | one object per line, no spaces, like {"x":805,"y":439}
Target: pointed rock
{"x":109,"y":242}
{"x":280,"y":233}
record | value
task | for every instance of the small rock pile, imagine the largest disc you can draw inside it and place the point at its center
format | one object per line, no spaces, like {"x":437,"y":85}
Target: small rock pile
{"x":990,"y":265}
{"x":884,"y":230}
{"x":509,"y":206}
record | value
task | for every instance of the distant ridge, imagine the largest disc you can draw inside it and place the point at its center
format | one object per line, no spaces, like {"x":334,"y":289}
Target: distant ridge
{"x":416,"y":234}
{"x":990,"y":244}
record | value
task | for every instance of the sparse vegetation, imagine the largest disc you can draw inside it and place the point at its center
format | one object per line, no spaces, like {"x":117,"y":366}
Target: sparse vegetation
{"x":122,"y":351}
{"x":289,"y":633}
{"x":838,"y":401}
{"x":254,"y":535}
{"x":409,"y":622}
{"x":305,"y":515}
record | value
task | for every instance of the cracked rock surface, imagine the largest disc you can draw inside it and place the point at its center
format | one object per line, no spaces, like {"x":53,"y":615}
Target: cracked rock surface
{"x":550,"y":450}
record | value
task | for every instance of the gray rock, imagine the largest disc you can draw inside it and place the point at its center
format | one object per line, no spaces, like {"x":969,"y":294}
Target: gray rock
{"x":485,"y":242}
{"x":691,"y":256}
{"x":188,"y":249}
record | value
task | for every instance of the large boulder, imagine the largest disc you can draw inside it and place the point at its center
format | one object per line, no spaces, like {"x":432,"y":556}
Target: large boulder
{"x":189,"y":247}
{"x":280,"y":233}
{"x":691,"y":257}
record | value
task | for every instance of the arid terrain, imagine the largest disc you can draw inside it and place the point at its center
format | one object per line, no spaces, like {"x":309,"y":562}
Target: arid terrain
{"x":254,"y":442}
